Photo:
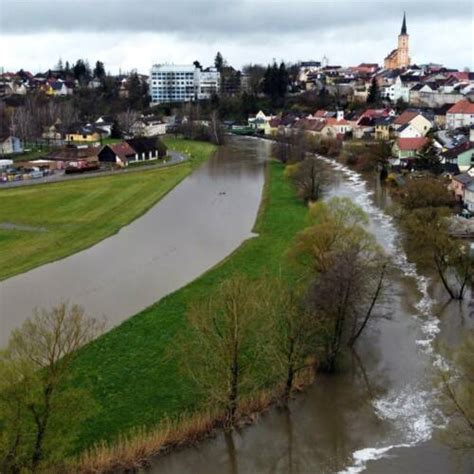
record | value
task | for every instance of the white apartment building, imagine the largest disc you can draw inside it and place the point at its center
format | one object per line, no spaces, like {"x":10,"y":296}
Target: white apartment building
{"x":182,"y":83}
{"x":209,"y":81}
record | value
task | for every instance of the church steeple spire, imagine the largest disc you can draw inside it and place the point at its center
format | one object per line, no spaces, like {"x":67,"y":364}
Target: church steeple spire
{"x":404,"y":25}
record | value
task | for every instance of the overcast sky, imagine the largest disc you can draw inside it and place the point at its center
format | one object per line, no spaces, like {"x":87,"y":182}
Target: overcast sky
{"x":134,"y":34}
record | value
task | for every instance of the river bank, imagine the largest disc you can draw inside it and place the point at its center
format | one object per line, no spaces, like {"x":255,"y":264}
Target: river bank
{"x":382,"y":412}
{"x":79,"y":213}
{"x":145,"y":338}
{"x":379,"y":413}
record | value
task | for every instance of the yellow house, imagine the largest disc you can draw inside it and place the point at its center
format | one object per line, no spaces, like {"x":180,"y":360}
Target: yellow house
{"x":383,"y":127}
{"x":84,"y":134}
{"x":86,"y":137}
{"x":47,"y":89}
{"x":271,"y":127}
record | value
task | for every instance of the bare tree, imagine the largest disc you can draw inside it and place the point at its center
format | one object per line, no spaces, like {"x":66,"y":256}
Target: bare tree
{"x":429,"y":237}
{"x":35,"y":402}
{"x":224,"y":347}
{"x":347,"y":275}
{"x":22,"y":124}
{"x":216,"y":131}
{"x":294,"y":331}
{"x":458,"y":396}
{"x":310,"y":178}
{"x":126,"y":120}
{"x":254,"y":73}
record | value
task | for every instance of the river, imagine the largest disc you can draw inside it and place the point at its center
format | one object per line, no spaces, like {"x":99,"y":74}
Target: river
{"x":192,"y":228}
{"x":380,"y":414}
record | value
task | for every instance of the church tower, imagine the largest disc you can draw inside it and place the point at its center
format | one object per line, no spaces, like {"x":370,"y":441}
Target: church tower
{"x":400,"y":57}
{"x":403,"y":59}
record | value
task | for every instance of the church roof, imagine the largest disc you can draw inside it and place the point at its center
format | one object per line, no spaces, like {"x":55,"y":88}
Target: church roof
{"x":404,"y":25}
{"x":392,"y":54}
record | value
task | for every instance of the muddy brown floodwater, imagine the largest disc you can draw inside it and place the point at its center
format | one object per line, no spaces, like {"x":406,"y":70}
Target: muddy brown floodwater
{"x":378,"y":415}
{"x":192,"y":228}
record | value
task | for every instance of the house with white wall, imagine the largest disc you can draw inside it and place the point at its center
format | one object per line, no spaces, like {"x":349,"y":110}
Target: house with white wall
{"x":416,"y":119}
{"x":460,"y":114}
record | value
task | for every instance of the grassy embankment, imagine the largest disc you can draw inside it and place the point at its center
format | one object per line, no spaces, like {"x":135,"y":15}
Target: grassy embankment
{"x":129,"y":369}
{"x":79,"y":213}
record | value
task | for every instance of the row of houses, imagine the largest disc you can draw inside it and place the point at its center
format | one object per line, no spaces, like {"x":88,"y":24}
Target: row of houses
{"x":84,"y":157}
{"x":429,"y":85}
{"x":56,"y":83}
{"x":411,"y":133}
{"x":91,"y":132}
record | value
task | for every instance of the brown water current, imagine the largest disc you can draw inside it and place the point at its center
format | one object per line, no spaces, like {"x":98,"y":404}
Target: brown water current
{"x":192,"y":228}
{"x":381,"y":413}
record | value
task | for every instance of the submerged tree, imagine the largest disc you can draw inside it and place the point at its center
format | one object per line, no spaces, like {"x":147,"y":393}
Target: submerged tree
{"x":39,"y":412}
{"x":346,"y":268}
{"x":458,"y":395}
{"x":310,"y":178}
{"x":429,"y":239}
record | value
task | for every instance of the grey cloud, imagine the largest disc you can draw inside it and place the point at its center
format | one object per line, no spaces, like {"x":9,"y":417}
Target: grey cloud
{"x":211,"y":19}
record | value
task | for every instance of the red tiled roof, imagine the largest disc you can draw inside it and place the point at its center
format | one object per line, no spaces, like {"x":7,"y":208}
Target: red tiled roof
{"x":375,"y":113}
{"x":405,"y":117}
{"x":310,"y":124}
{"x":334,"y":121}
{"x":409,"y":144}
{"x":462,"y":107}
{"x":275,"y":122}
{"x":122,"y":150}
{"x":320,"y":113}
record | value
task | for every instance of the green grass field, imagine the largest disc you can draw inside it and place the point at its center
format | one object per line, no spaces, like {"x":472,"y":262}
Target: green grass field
{"x":79,"y":213}
{"x":132,"y":376}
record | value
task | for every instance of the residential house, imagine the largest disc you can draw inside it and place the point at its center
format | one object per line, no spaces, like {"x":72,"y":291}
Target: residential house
{"x":57,"y":88}
{"x":17,"y":88}
{"x":408,"y":131}
{"x":408,"y":148}
{"x":449,"y":158}
{"x":89,"y":133}
{"x":307,"y":68}
{"x":147,"y":148}
{"x":10,"y":144}
{"x":365,"y":69}
{"x":119,"y":154}
{"x":105,"y":123}
{"x":258,"y":121}
{"x":383,"y":128}
{"x":339,"y":124}
{"x":314,"y":127}
{"x":416,"y":119}
{"x":72,"y":154}
{"x":286,"y":124}
{"x":460,"y":114}
{"x":363,"y":125}
{"x":149,"y":126}
{"x":271,"y":127}
{"x":440,"y":115}
{"x":458,"y":185}
{"x":398,"y":90}
{"x":465,"y":159}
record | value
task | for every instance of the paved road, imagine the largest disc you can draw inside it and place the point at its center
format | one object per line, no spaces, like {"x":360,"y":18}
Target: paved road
{"x":173,"y":156}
